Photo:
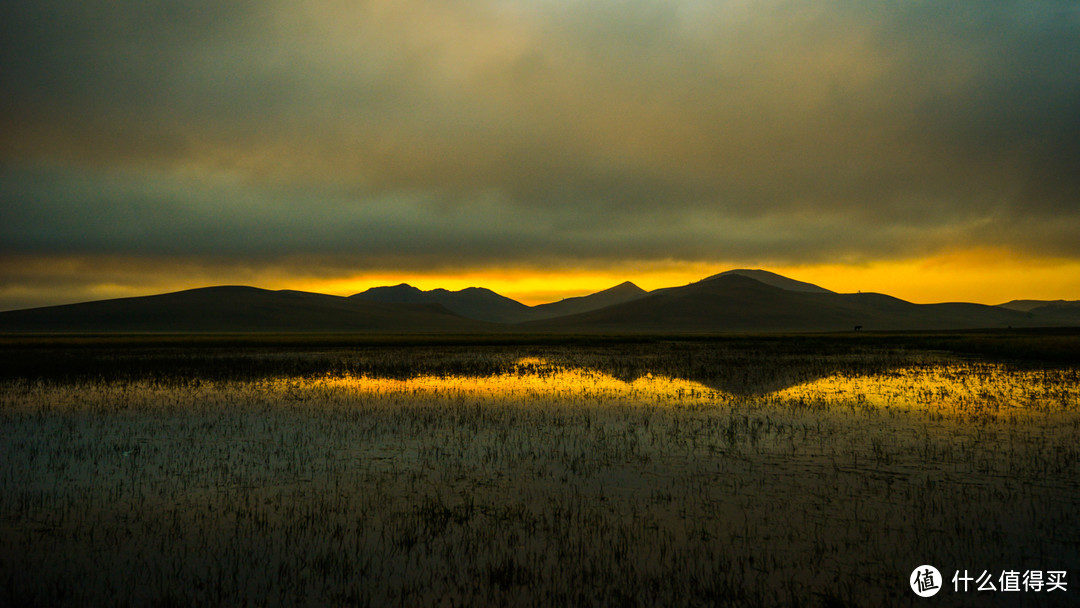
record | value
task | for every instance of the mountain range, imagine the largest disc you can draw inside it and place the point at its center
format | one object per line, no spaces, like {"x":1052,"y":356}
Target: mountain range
{"x":734,"y":301}
{"x":486,"y":305}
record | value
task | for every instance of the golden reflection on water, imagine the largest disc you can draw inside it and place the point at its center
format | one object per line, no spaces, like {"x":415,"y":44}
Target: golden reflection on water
{"x":964,"y":389}
{"x":967,"y":390}
{"x":534,"y":378}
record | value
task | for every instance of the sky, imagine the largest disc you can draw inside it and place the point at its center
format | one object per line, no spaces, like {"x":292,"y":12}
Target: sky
{"x":541,"y":148}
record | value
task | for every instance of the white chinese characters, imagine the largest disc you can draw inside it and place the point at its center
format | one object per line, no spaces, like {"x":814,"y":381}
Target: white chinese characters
{"x":1011,"y":581}
{"x":925,"y":581}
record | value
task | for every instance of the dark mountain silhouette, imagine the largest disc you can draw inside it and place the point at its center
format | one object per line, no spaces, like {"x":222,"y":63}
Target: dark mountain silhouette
{"x":237,"y":309}
{"x":396,"y":294}
{"x":623,"y":292}
{"x":1061,"y":312}
{"x":737,"y":303}
{"x":734,"y":301}
{"x":771,"y":278}
{"x":1031,"y":305}
{"x":474,"y":302}
{"x":1025,"y":305}
{"x":486,"y":305}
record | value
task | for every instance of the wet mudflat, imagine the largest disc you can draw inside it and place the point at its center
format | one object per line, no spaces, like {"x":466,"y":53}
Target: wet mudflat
{"x":660,"y":473}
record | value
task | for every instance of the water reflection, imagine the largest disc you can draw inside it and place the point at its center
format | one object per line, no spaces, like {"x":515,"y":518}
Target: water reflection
{"x":531,"y":378}
{"x":966,"y":389}
{"x":969,"y":389}
{"x":737,"y":372}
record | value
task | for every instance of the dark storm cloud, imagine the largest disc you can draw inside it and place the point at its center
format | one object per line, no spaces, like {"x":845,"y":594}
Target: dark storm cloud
{"x":415,"y":132}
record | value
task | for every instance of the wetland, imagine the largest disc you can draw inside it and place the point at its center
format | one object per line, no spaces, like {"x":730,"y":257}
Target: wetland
{"x":694,"y":472}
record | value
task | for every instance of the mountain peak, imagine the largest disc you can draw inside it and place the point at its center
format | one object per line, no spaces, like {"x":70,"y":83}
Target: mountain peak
{"x":623,"y":292}
{"x":626,"y":287}
{"x":402,"y":292}
{"x":473,"y":302}
{"x":771,"y":278}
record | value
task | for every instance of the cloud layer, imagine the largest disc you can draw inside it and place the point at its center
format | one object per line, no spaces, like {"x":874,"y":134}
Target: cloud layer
{"x":416,"y":133}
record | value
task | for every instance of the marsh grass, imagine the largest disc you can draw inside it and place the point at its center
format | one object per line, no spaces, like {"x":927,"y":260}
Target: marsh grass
{"x":638,"y":476}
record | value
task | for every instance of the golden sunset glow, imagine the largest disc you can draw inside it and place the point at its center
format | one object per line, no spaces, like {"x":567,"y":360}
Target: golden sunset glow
{"x":980,"y":276}
{"x":985,"y":277}
{"x":545,"y":302}
{"x":541,"y":150}
{"x":977,"y":276}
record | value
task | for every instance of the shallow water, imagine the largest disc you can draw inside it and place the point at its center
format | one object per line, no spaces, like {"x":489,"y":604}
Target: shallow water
{"x":968,"y":390}
{"x":556,"y":480}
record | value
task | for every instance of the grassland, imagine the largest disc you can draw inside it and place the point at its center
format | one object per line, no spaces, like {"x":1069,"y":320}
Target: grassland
{"x":743,"y":471}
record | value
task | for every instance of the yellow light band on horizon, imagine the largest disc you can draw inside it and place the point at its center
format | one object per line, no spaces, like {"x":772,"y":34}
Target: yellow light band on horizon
{"x":982,"y":276}
{"x":985,"y":277}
